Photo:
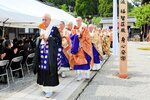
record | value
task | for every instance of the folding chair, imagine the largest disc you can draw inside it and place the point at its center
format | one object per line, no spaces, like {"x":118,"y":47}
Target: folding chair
{"x":16,"y":65}
{"x":21,"y":53}
{"x":3,"y":70}
{"x":29,"y":60}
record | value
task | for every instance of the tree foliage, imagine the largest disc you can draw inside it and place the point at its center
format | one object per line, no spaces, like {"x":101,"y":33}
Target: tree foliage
{"x":56,"y":2}
{"x":145,"y":1}
{"x":105,"y":8}
{"x":85,"y":7}
{"x":60,"y":3}
{"x":130,"y":7}
{"x":96,"y":20}
{"x":64,"y":7}
{"x":140,"y":2}
{"x":142,"y":14}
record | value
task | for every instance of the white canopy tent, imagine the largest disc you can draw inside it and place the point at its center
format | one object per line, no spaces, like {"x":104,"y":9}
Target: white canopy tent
{"x":28,"y":13}
{"x":14,"y":19}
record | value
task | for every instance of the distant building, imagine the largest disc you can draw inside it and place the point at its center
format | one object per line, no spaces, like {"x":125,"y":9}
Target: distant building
{"x":107,"y":22}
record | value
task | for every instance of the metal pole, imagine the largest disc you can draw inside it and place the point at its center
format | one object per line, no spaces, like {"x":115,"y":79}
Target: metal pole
{"x":69,"y":8}
{"x":115,"y":29}
{"x":3,"y":30}
{"x":4,"y":27}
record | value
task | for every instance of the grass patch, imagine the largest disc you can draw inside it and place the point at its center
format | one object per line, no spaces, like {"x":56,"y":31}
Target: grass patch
{"x":148,"y":48}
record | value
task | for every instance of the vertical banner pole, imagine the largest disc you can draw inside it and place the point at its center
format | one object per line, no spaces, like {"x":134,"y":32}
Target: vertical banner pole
{"x":123,"y":33}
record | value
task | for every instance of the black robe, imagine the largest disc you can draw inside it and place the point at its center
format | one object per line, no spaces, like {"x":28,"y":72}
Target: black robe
{"x":48,"y":77}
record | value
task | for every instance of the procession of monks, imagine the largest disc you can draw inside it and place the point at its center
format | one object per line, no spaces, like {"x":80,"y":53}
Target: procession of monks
{"x":83,"y":47}
{"x":68,"y":47}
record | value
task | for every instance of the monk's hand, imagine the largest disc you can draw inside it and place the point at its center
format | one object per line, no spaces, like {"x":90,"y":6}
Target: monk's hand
{"x":64,"y":43}
{"x":41,"y":36}
{"x":78,"y":33}
{"x":45,"y":37}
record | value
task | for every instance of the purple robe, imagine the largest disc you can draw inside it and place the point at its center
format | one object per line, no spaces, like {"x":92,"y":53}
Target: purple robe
{"x":95,"y":55}
{"x":63,"y":59}
{"x":74,"y":49}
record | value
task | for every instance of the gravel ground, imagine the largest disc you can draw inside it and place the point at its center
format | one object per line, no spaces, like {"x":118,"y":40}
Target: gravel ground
{"x":18,"y":85}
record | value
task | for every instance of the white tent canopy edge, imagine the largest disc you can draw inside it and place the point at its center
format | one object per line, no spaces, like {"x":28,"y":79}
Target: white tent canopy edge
{"x":28,"y":13}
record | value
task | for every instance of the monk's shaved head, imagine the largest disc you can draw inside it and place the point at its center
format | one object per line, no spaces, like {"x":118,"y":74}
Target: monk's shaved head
{"x":79,"y":21}
{"x":46,"y":20}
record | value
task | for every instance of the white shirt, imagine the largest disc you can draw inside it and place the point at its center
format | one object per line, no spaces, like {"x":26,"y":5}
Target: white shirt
{"x":46,"y":33}
{"x":91,"y":33}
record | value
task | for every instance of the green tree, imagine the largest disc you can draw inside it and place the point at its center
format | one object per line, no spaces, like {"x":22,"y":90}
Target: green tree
{"x":61,"y":2}
{"x":56,"y":2}
{"x":130,"y":7}
{"x":85,"y":7}
{"x":145,"y":1}
{"x":140,"y":2}
{"x":64,"y":7}
{"x":142,"y":14}
{"x":96,"y":20}
{"x":105,"y":8}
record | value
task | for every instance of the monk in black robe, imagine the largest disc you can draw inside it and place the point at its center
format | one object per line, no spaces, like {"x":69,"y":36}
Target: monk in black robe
{"x":45,"y":61}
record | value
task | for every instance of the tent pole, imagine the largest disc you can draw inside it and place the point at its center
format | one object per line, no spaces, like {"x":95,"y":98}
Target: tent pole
{"x":4,"y":28}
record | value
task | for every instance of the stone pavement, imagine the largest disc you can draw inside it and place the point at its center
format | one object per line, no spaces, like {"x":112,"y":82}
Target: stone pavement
{"x":107,"y":86}
{"x":103,"y":85}
{"x":27,"y":89}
